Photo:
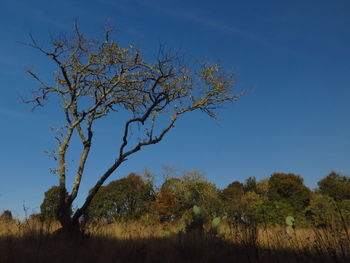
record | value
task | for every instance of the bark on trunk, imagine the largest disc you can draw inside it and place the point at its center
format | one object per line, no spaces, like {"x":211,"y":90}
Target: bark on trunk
{"x":69,"y":226}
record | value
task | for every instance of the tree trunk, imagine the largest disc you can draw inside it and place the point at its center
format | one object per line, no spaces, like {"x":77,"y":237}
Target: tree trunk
{"x":69,"y":226}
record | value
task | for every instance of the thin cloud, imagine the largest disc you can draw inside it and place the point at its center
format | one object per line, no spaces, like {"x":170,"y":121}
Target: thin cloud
{"x":192,"y":17}
{"x":211,"y":23}
{"x":9,"y":113}
{"x":208,"y":23}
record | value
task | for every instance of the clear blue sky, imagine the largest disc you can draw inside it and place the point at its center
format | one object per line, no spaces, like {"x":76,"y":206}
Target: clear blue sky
{"x":293,"y":57}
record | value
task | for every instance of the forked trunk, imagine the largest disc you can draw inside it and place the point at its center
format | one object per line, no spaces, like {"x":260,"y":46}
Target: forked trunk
{"x":69,"y":227}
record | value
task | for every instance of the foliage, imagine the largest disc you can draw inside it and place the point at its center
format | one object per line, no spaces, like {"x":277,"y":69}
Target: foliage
{"x":233,"y":192}
{"x":274,"y":212}
{"x":289,"y":189}
{"x":192,"y":199}
{"x":165,"y":205}
{"x":166,"y":200}
{"x":50,"y":204}
{"x":249,"y":204}
{"x":190,"y":190}
{"x":344,"y":209}
{"x":240,"y":207}
{"x":336,"y":186}
{"x":194,"y":224}
{"x":262,"y":187}
{"x":322,"y":210}
{"x":250,"y":185}
{"x":125,"y":199}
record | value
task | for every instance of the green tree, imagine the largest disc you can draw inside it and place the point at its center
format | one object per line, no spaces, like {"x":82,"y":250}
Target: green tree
{"x":190,"y":190}
{"x":344,"y":209}
{"x":233,"y":192}
{"x":250,"y":185}
{"x":96,"y":79}
{"x":322,"y":210}
{"x":255,"y":209}
{"x":232,"y":201}
{"x":336,"y":186}
{"x":262,"y":187}
{"x":50,"y":204}
{"x":125,"y":199}
{"x":289,"y":189}
{"x":275,"y":212}
{"x":252,"y":208}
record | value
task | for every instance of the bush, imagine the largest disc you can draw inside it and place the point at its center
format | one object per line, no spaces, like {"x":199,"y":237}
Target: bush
{"x":6,"y":216}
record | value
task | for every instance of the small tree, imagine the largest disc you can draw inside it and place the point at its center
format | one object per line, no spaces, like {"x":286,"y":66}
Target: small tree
{"x":166,"y":204}
{"x":96,"y":79}
{"x":49,"y":206}
{"x":250,"y":185}
{"x":233,"y":192}
{"x":231,"y":197}
{"x":6,"y":215}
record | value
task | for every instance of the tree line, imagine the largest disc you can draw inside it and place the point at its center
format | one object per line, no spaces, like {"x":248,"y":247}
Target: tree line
{"x":265,"y":202}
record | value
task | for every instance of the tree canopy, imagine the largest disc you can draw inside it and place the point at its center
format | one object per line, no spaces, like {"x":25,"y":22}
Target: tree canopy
{"x":336,"y":186}
{"x":124,"y":199}
{"x":179,"y":195}
{"x":290,"y":189}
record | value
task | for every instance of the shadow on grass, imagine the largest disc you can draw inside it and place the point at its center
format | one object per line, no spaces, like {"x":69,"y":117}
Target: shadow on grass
{"x":179,"y":248}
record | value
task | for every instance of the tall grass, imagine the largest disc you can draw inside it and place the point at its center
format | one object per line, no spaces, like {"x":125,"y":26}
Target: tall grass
{"x":32,"y":241}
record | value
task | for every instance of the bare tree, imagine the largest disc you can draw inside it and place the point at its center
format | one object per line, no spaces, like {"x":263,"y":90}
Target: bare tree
{"x":98,"y":78}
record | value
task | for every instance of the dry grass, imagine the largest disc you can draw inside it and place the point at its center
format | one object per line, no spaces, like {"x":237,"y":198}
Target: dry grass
{"x":16,"y":228}
{"x":30,"y":241}
{"x":135,"y":230}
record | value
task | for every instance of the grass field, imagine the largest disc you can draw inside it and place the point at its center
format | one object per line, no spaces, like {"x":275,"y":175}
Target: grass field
{"x":32,"y":241}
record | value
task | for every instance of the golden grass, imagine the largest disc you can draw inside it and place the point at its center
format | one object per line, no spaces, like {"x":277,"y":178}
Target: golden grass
{"x":16,"y":228}
{"x":30,"y":241}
